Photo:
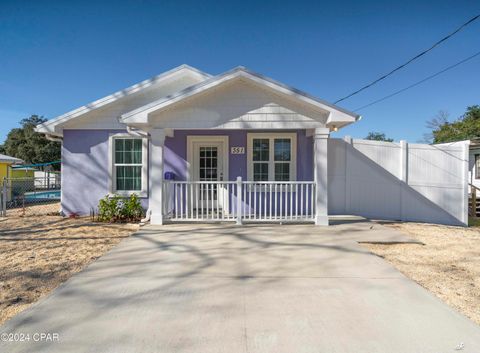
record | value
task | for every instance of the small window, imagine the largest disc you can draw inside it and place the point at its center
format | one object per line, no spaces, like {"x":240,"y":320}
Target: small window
{"x":271,"y":157}
{"x":477,"y":166}
{"x":261,"y":157}
{"x":282,"y":158}
{"x":128,"y":157}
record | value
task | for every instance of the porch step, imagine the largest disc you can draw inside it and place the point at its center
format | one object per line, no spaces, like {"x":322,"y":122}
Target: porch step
{"x":477,"y":211}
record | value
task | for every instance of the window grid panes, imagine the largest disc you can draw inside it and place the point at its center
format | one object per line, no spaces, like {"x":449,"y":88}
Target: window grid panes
{"x":261,"y":149}
{"x":260,"y":172}
{"x":129,"y":178}
{"x":282,"y":149}
{"x":208,"y":163}
{"x":282,"y":152}
{"x":282,"y":171}
{"x":128,"y":164}
{"x":275,"y":166}
{"x":260,"y":155}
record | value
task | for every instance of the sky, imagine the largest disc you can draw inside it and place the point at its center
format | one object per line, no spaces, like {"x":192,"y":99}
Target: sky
{"x":58,"y":55}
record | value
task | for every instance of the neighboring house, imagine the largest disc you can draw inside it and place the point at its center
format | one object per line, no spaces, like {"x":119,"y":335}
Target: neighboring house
{"x":8,"y":173}
{"x":47,"y":179}
{"x":5,"y":163}
{"x":240,"y":146}
{"x":474,"y":163}
{"x":21,"y":172}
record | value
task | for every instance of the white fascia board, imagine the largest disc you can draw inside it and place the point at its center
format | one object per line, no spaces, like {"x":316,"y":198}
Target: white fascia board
{"x":324,"y":105}
{"x":340,"y":118}
{"x":140,"y":115}
{"x":46,"y":129}
{"x":49,"y":127}
{"x":10,"y":160}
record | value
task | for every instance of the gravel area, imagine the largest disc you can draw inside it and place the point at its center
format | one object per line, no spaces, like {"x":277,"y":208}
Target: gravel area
{"x":448,"y":264}
{"x":39,"y":252}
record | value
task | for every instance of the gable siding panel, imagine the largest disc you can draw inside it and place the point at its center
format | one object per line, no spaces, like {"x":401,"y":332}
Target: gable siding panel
{"x":107,"y":117}
{"x":235,"y":106}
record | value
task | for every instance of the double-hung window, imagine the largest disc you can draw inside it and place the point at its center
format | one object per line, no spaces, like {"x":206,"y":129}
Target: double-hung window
{"x":128,"y":164}
{"x":271,"y":157}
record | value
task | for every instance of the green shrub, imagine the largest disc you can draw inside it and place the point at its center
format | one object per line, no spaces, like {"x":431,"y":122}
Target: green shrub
{"x":131,"y":209}
{"x":118,"y":209}
{"x":108,"y":208}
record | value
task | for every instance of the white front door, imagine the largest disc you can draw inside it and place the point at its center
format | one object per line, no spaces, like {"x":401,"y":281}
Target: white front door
{"x":208,"y":160}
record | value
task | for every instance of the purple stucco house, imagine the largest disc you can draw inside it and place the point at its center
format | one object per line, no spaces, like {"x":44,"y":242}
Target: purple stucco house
{"x":235,"y":146}
{"x":242,"y":147}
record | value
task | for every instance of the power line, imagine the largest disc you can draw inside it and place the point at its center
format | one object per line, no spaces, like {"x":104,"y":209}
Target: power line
{"x":412,"y":59}
{"x":419,"y":82}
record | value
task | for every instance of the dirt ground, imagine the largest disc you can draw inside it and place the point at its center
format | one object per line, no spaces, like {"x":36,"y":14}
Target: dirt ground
{"x":40,"y":251}
{"x":448,"y":264}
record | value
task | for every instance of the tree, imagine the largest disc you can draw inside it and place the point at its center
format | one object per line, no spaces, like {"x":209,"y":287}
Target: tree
{"x":32,"y":147}
{"x":378,"y":136}
{"x":466,"y":127}
{"x":434,"y":124}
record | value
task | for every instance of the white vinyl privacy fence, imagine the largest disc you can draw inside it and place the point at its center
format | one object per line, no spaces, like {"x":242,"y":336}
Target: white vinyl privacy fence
{"x":399,"y":181}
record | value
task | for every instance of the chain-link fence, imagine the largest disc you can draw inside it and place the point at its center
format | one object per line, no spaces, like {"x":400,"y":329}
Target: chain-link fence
{"x":30,"y":196}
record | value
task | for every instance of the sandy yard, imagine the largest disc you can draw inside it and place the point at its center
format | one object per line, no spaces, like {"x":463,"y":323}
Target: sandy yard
{"x":40,"y":251}
{"x":447,"y":265}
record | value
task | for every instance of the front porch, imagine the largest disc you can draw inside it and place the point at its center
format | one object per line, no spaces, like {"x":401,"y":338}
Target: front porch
{"x":239,"y":176}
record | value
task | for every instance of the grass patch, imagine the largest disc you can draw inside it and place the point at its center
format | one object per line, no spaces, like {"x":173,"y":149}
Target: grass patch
{"x":40,"y":253}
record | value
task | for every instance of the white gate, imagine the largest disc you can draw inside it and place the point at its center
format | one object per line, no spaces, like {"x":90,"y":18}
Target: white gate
{"x":399,"y":181}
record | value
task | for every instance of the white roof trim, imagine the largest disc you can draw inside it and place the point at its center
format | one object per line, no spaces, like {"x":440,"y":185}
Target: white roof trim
{"x":140,"y":115}
{"x":49,"y":126}
{"x":8,"y":159}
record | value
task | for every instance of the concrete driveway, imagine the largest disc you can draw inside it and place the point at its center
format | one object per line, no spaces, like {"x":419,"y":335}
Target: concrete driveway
{"x":222,"y":288}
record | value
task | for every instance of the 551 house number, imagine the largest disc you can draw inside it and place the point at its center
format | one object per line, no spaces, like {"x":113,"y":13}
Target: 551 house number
{"x":237,"y":150}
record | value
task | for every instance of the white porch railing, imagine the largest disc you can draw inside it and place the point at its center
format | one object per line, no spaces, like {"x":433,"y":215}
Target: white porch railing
{"x":239,"y":201}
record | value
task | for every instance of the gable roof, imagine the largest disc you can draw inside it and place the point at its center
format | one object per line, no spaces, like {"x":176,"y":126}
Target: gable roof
{"x":140,"y":115}
{"x":49,"y":126}
{"x":337,"y":116}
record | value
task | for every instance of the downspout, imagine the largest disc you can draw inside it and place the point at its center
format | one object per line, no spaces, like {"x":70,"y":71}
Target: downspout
{"x":138,"y":132}
{"x":148,"y":214}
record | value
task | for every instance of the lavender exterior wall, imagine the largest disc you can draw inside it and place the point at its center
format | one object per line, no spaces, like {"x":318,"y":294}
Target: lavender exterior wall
{"x":176,"y":152}
{"x":85,"y":163}
{"x":85,"y":170}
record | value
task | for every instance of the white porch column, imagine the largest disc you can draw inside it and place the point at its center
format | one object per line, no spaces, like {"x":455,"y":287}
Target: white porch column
{"x":155,"y":178}
{"x":320,"y":158}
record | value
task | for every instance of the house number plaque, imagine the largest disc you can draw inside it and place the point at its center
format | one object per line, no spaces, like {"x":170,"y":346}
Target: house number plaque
{"x":237,"y":150}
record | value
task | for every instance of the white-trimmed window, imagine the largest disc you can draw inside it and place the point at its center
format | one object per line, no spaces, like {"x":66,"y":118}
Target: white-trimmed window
{"x":272,"y":156}
{"x":128,"y":164}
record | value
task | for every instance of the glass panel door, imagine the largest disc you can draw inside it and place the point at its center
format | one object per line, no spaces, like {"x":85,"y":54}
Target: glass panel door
{"x":208,"y":163}
{"x":208,"y":171}
{"x":208,"y":166}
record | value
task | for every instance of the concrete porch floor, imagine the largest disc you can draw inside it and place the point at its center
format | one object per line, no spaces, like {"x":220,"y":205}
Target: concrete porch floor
{"x":253,"y":288}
